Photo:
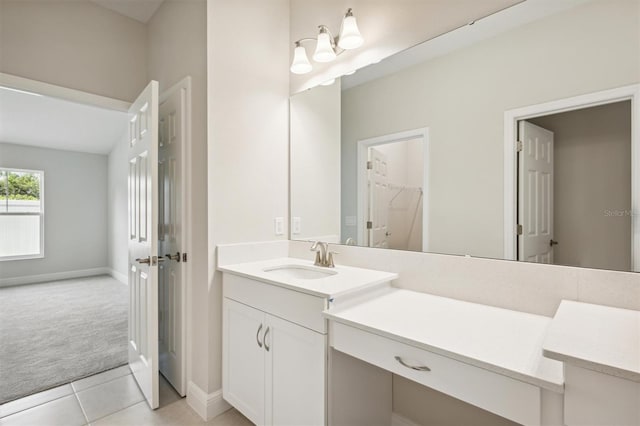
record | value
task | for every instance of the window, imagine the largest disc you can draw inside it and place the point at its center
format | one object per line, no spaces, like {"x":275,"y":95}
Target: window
{"x":21,"y":214}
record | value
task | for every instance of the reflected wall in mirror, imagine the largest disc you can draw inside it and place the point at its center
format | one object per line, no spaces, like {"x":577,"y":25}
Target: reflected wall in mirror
{"x":560,"y":77}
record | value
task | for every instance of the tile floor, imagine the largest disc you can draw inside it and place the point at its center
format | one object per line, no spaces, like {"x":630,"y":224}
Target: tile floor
{"x":108,"y":398}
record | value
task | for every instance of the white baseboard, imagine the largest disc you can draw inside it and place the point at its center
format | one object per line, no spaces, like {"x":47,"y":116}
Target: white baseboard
{"x":398,"y":420}
{"x":32,"y":279}
{"x":206,"y":405}
{"x":118,"y":276}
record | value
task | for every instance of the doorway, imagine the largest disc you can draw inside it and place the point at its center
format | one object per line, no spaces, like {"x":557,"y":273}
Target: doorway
{"x":393,"y":191}
{"x":166,"y":311}
{"x":576,"y":183}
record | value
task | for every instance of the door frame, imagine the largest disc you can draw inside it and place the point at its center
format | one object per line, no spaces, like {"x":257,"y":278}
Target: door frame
{"x":363,"y":146}
{"x":86,"y":98}
{"x":46,"y":89}
{"x":604,"y":97}
{"x":186,"y":243}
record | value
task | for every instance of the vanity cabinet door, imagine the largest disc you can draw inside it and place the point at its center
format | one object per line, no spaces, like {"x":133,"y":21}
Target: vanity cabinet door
{"x":296,"y":374}
{"x":243,"y":361}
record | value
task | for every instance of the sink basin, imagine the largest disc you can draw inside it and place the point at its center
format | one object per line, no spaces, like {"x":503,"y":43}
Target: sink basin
{"x":300,"y":272}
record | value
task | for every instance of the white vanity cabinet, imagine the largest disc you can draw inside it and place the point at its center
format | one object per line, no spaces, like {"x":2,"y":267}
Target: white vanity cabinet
{"x":274,"y":370}
{"x":600,"y":349}
{"x":274,"y":335}
{"x":593,"y":398}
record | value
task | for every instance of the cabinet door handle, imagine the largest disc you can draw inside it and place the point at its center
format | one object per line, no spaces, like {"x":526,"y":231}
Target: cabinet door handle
{"x":265,"y":339}
{"x":413,"y":367}
{"x":258,"y":336}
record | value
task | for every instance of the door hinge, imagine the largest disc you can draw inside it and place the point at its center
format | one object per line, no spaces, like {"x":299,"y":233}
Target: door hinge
{"x":369,"y":165}
{"x":519,"y":229}
{"x":519,"y":146}
{"x":369,"y":225}
{"x":184,"y":257}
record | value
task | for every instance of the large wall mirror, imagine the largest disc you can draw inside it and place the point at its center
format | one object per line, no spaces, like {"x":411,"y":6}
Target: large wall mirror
{"x":516,"y":137}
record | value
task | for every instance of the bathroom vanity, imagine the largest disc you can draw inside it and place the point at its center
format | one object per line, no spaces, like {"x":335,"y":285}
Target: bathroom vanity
{"x":600,"y":349}
{"x":309,"y":345}
{"x":486,"y":356}
{"x":275,"y":337}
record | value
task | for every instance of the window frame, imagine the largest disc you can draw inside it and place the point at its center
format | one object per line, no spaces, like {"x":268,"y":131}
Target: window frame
{"x":39,"y":255}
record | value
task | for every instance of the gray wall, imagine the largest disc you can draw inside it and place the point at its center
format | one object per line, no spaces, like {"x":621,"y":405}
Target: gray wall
{"x":592,"y":176}
{"x":75,"y":197}
{"x":462,"y":98}
{"x":75,"y":44}
{"x":118,"y":206}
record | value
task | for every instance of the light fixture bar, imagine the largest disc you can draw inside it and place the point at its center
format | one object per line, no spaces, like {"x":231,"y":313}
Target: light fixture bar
{"x":326,"y":44}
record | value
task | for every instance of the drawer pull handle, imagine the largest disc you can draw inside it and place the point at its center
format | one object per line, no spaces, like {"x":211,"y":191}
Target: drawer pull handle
{"x":258,"y":336}
{"x":413,"y":367}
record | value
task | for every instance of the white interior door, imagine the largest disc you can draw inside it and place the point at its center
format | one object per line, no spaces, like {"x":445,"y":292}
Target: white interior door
{"x":171,"y":230}
{"x":378,"y":202}
{"x":143,"y":242}
{"x":535,"y":194}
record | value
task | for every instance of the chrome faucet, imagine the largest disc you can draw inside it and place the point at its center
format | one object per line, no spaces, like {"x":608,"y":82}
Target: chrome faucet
{"x":324,"y":257}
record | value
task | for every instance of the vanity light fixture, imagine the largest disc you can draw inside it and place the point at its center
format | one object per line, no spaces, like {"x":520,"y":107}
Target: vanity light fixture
{"x":326,"y":44}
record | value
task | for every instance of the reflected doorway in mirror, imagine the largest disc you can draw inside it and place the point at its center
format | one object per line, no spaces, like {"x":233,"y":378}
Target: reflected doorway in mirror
{"x":596,"y":169}
{"x":392,"y":191}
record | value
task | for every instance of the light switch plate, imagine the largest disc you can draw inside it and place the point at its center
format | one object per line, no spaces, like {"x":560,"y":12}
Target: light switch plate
{"x":296,"y":225}
{"x":279,"y":225}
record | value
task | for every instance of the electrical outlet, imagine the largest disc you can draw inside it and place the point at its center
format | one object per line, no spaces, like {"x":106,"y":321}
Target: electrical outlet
{"x":279,"y":225}
{"x":296,"y":226}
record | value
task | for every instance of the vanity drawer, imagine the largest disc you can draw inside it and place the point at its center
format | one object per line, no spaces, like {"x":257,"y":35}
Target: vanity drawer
{"x":300,"y":308}
{"x":506,"y":397}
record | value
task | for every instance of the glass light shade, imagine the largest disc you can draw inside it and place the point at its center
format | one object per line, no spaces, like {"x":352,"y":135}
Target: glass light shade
{"x":324,"y":50}
{"x":300,"y":64}
{"x":350,"y":37}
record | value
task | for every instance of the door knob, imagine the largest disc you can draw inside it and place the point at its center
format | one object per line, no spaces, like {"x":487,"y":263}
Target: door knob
{"x":146,"y":260}
{"x":175,"y":257}
{"x":552,"y":243}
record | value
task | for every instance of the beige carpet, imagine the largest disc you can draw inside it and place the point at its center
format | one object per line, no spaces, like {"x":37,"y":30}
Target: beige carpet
{"x":57,"y":332}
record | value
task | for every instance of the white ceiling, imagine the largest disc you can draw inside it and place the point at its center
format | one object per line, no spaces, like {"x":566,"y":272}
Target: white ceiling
{"x":140,"y":10}
{"x":53,"y":123}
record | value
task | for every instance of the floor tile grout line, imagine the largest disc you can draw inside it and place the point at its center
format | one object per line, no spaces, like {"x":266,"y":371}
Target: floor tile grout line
{"x":73,"y":391}
{"x":37,"y":405}
{"x":81,"y":408}
{"x":98,"y":384}
{"x":115,"y":412}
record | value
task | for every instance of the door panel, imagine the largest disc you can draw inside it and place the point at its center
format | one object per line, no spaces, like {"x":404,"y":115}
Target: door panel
{"x":378,"y":199}
{"x":535,"y":194}
{"x":143,"y":226}
{"x":296,"y":374}
{"x":243,"y":361}
{"x":172,"y":139}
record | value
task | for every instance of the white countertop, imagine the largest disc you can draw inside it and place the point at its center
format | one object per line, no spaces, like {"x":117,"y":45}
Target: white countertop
{"x":596,"y":337}
{"x":500,"y":340}
{"x":347,"y":279}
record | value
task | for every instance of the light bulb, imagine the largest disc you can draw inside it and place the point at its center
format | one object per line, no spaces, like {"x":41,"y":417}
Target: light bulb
{"x":324,"y":49}
{"x":350,"y":37}
{"x":300,"y":64}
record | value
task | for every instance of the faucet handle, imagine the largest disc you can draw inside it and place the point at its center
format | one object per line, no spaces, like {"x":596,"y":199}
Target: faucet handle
{"x":330,"y":263}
